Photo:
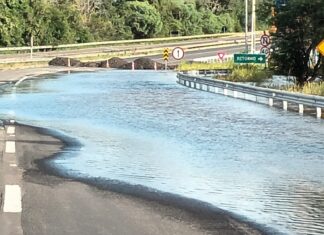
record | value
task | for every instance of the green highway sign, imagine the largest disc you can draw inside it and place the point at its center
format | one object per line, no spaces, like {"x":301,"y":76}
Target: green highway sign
{"x":249,"y":58}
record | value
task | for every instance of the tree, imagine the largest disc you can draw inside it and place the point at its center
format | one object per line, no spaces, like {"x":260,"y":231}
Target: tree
{"x":300,"y":27}
{"x":143,"y":19}
{"x":12,"y":24}
{"x":190,"y":19}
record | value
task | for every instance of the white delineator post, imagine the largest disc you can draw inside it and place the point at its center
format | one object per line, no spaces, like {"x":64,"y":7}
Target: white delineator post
{"x":155,"y":66}
{"x":270,"y":102}
{"x":318,"y":112}
{"x":285,"y":105}
{"x":301,"y":108}
{"x":133,"y":65}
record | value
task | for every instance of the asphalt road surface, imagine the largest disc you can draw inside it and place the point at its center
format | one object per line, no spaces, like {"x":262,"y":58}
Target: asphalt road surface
{"x":54,"y":206}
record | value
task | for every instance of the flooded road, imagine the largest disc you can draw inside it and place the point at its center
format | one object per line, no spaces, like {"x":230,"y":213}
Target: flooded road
{"x":144,"y":129}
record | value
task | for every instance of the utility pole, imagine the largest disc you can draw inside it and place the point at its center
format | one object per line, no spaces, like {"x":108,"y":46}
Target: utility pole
{"x":253,"y":27}
{"x":246,"y":26}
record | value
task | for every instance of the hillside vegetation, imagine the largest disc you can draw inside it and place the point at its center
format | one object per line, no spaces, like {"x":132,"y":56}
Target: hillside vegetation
{"x":53,"y":22}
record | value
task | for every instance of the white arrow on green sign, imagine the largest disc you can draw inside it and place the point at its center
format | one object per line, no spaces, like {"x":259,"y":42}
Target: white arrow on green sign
{"x":249,"y":58}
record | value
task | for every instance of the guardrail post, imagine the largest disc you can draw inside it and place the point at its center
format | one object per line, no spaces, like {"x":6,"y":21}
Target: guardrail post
{"x":301,"y":108}
{"x":270,"y":102}
{"x":318,"y":112}
{"x":285,"y":105}
{"x":133,"y":65}
{"x":245,"y":92}
{"x":68,"y":62}
{"x":155,"y":66}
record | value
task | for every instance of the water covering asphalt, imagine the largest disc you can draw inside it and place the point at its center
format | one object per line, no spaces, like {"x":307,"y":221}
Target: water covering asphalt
{"x":141,"y":128}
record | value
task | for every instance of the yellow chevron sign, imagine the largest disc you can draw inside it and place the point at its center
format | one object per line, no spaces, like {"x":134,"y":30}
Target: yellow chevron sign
{"x":166,"y":54}
{"x":320,"y":47}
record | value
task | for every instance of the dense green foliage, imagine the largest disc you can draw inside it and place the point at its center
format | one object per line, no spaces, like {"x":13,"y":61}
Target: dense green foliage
{"x":300,"y":27}
{"x":72,"y":21}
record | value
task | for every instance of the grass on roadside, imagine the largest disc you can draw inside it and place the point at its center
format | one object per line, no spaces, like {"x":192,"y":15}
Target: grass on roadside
{"x":248,"y":73}
{"x":309,"y":88}
{"x":240,"y":73}
{"x":187,"y":66}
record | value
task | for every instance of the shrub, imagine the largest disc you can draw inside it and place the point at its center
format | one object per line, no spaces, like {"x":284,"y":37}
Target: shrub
{"x":310,"y":88}
{"x":248,"y":73}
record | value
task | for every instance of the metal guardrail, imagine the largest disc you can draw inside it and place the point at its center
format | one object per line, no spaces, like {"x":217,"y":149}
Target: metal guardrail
{"x":118,"y":42}
{"x":214,"y":59}
{"x":297,"y":98}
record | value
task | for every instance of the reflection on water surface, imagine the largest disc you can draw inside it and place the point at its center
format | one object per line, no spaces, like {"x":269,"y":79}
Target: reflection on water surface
{"x":142,"y":128}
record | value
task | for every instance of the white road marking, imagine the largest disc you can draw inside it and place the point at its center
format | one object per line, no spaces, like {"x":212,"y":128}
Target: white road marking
{"x":11,"y":130}
{"x":13,"y":165}
{"x":12,"y":121}
{"x":10,"y":146}
{"x":12,"y":199}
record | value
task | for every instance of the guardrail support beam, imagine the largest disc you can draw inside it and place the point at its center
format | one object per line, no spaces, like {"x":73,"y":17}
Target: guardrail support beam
{"x":301,"y":108}
{"x":270,"y":102}
{"x":318,"y":112}
{"x":285,"y":105}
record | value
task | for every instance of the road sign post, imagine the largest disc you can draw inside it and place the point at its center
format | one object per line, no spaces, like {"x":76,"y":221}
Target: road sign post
{"x":177,"y":53}
{"x":249,"y":58}
{"x":221,"y":55}
{"x":265,"y":40}
{"x":265,"y":50}
{"x":166,"y":57}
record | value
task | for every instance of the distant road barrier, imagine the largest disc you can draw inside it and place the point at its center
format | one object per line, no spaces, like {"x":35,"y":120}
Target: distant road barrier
{"x":252,"y":93}
{"x":214,"y":59}
{"x":105,"y":43}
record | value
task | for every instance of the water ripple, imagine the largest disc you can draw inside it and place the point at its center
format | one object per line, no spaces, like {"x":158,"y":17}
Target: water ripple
{"x":143,"y":128}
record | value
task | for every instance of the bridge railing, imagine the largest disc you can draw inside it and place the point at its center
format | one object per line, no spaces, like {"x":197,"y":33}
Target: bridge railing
{"x":270,"y":94}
